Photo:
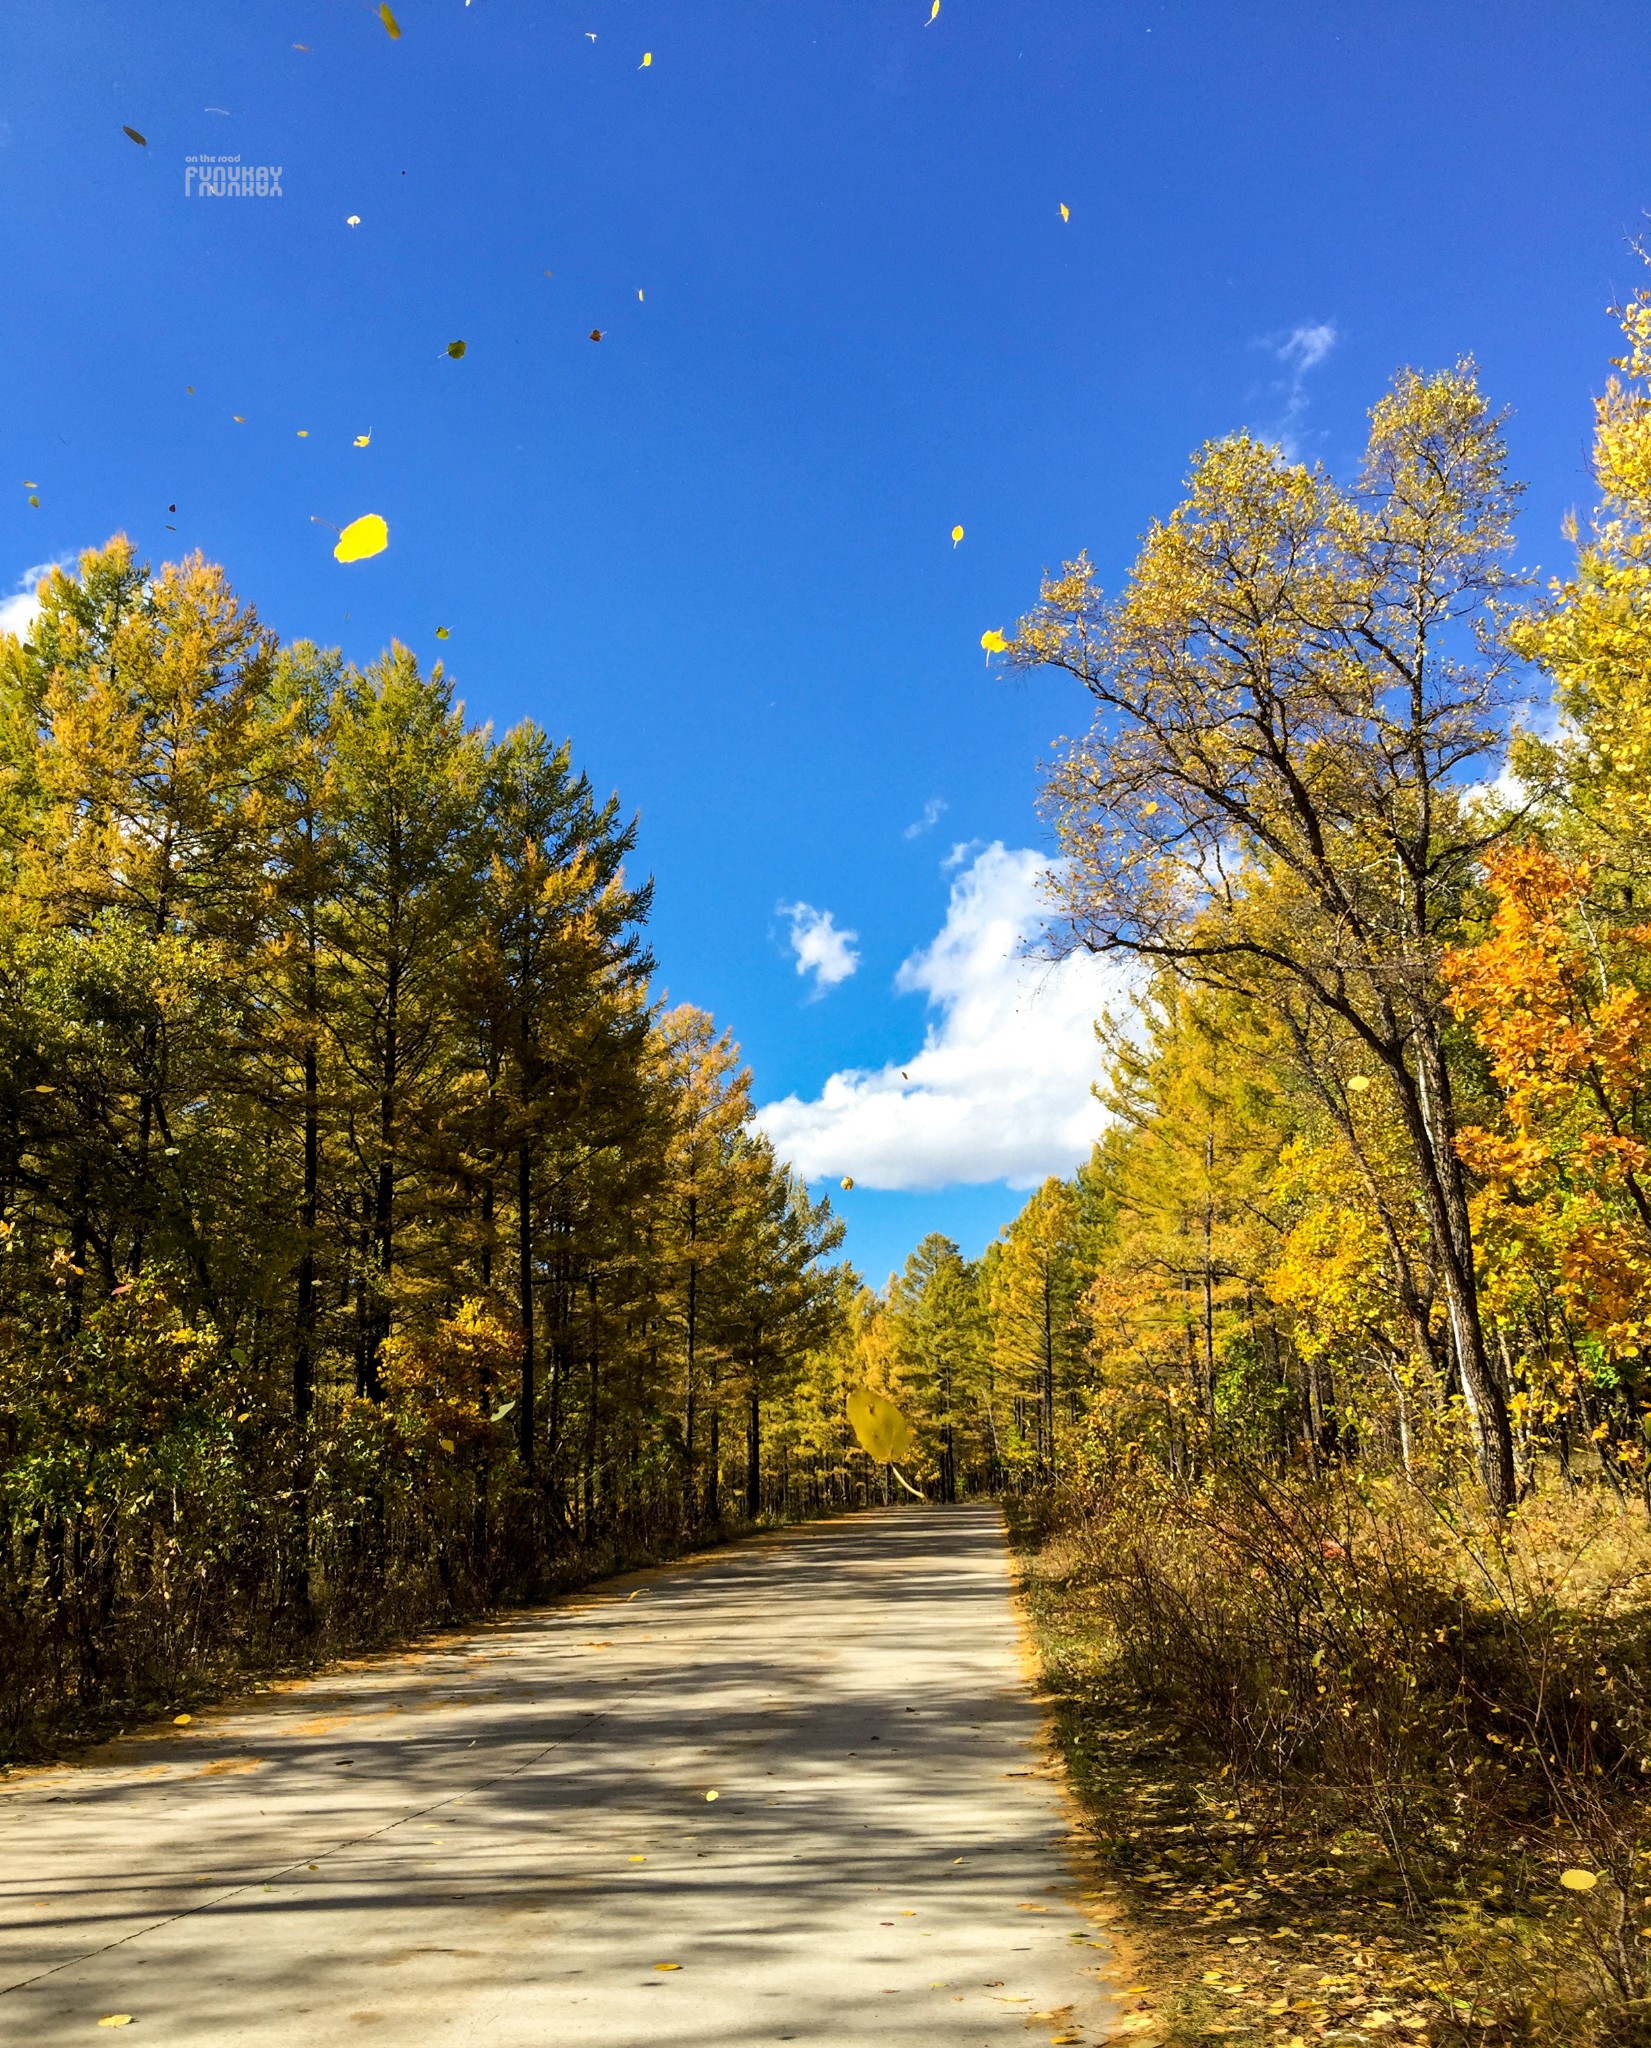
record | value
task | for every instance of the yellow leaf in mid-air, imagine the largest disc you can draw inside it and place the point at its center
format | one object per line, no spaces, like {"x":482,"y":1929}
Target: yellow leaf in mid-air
{"x":363,"y":440}
{"x":957,"y":535}
{"x":34,"y":501}
{"x":667,"y":1966}
{"x":596,"y":334}
{"x":993,"y":642}
{"x":116,"y":2019}
{"x":1066,"y":211}
{"x":392,"y":27}
{"x":639,"y":295}
{"x":303,"y":433}
{"x":1578,"y":1880}
{"x":447,"y":1444}
{"x":1357,"y":1083}
{"x":182,"y":1720}
{"x":647,"y":59}
{"x":455,"y":349}
{"x":441,"y":632}
{"x":354,"y":221}
{"x":846,"y":1182}
{"x":883,"y":1431}
{"x":934,"y":11}
{"x":1149,"y":810}
{"x":636,"y":1859}
{"x":365,"y":536}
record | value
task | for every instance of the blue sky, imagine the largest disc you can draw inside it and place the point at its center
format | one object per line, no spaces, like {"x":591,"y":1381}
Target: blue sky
{"x":714,"y":547}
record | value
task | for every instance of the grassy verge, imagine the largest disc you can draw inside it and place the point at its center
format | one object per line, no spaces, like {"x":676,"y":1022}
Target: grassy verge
{"x":1341,"y":1895}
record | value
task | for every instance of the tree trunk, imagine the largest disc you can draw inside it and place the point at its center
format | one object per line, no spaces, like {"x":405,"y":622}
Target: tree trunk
{"x":525,"y":1433}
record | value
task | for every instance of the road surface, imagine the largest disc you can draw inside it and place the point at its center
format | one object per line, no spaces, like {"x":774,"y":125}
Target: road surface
{"x":507,"y":1838}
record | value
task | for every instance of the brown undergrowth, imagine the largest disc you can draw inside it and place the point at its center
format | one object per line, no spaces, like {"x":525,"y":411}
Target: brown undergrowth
{"x":1360,"y":1764}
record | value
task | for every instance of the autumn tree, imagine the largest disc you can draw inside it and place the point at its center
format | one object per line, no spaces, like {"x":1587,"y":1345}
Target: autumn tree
{"x":1289,"y":692}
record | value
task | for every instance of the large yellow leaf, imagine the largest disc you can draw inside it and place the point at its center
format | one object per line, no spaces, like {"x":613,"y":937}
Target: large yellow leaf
{"x":365,"y":536}
{"x":883,"y":1431}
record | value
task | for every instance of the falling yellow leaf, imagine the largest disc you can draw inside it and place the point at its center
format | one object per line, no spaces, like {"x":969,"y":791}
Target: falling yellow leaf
{"x":1357,"y":1083}
{"x":239,"y":421}
{"x":647,"y":59}
{"x":365,"y":536}
{"x":639,"y":295}
{"x":182,"y":1720}
{"x":363,"y":440}
{"x":34,"y":501}
{"x":957,"y":535}
{"x":441,"y":632}
{"x":596,"y":334}
{"x":1066,"y":211}
{"x":455,"y":349}
{"x":29,"y":484}
{"x":142,"y":142}
{"x":847,"y":1182}
{"x":392,"y":27}
{"x":116,"y":2019}
{"x":447,"y":1444}
{"x":713,"y":1795}
{"x":664,"y":1966}
{"x":1149,"y":810}
{"x":1578,"y":1880}
{"x":934,"y":12}
{"x":636,"y":1859}
{"x":883,"y":1431}
{"x":302,"y":46}
{"x":354,"y":221}
{"x":994,"y":642}
{"x":303,"y":433}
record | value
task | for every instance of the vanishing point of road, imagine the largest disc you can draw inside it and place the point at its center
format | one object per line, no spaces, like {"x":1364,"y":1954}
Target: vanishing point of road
{"x":507,"y":1838}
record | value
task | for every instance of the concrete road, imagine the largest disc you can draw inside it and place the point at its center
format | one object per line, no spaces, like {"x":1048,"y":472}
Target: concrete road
{"x":508,"y":1839}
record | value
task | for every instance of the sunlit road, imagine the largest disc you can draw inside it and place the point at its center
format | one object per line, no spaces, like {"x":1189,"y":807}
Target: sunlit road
{"x":502,"y":1838}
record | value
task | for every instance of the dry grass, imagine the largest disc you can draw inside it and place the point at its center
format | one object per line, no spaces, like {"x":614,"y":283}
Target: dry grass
{"x":1339,"y":1743}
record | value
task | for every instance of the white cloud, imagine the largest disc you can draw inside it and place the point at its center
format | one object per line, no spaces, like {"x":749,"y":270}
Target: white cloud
{"x":821,"y":949}
{"x":930,"y":818}
{"x":1304,"y":348}
{"x":1000,"y":1089}
{"x":1300,"y":351}
{"x":19,"y":611}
